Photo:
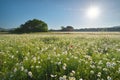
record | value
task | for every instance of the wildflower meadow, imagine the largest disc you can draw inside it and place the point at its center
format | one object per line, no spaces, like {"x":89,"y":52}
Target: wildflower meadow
{"x":58,"y":56}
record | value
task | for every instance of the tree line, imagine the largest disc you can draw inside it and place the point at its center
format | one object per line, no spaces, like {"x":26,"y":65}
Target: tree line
{"x":36,"y":25}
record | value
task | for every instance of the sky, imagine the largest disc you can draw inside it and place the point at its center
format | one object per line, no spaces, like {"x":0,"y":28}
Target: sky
{"x":57,"y":13}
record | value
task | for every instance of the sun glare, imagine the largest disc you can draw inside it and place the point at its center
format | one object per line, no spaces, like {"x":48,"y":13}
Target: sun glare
{"x":93,"y":12}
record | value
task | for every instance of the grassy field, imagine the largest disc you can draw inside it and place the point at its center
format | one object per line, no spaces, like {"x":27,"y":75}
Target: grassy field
{"x":60,"y":56}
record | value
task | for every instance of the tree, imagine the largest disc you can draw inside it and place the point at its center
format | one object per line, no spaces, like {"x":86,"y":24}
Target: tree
{"x":67,"y":28}
{"x":34,"y":25}
{"x":63,"y":28}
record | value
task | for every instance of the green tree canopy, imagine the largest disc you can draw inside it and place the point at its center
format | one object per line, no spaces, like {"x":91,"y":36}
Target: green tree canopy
{"x":67,"y":28}
{"x":34,"y":25}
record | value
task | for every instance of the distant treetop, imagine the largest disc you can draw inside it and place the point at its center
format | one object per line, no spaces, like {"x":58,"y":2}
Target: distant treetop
{"x":34,"y":25}
{"x":67,"y":28}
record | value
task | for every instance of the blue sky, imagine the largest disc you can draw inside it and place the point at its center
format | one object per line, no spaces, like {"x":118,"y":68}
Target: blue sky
{"x":57,"y":13}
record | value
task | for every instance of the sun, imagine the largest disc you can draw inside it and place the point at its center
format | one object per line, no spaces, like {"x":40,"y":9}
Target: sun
{"x":93,"y":12}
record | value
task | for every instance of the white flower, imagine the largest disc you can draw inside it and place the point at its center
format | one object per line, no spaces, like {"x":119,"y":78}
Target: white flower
{"x":113,"y":59}
{"x":62,"y":78}
{"x":99,"y":74}
{"x":32,"y":66}
{"x":15,"y":69}
{"x":92,"y":66}
{"x":53,"y":75}
{"x":26,"y":58}
{"x":64,"y":66}
{"x":72,"y":78}
{"x":25,"y":70}
{"x":67,"y":59}
{"x":12,"y":56}
{"x":59,"y":63}
{"x":105,"y":69}
{"x":118,"y":70}
{"x":75,"y":57}
{"x":100,"y":62}
{"x":38,"y":62}
{"x":71,"y":74}
{"x":118,"y":61}
{"x":4,"y":62}
{"x":118,"y":49}
{"x":17,"y":51}
{"x":51,"y":61}
{"x":30,"y":73}
{"x":108,"y":64}
{"x":113,"y":64}
{"x":37,"y":48}
{"x":80,"y":79}
{"x":92,"y":72}
{"x":34,"y":59}
{"x":73,"y":71}
{"x":54,"y":48}
{"x":22,"y":68}
{"x":37,"y":66}
{"x":109,"y":78}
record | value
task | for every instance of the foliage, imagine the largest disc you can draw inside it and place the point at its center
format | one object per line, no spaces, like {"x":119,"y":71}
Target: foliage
{"x":34,"y":25}
{"x":60,"y":57}
{"x":67,"y":28}
{"x":109,"y":29}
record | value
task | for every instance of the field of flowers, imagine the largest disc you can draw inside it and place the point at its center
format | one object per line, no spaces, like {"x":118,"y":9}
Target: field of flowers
{"x":57,"y":56}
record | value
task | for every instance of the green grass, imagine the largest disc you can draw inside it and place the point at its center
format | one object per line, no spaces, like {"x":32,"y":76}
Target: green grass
{"x":60,"y":56}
